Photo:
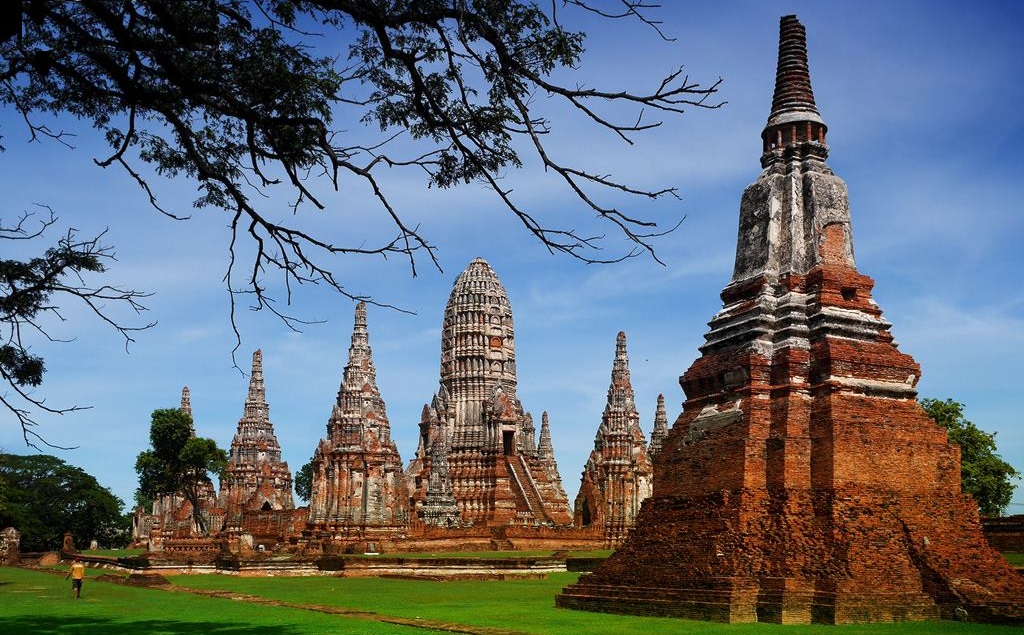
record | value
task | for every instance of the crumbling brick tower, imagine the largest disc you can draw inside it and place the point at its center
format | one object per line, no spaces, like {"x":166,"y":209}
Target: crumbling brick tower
{"x":802,"y":482}
{"x":358,"y":487}
{"x":617,"y":476}
{"x":256,"y":479}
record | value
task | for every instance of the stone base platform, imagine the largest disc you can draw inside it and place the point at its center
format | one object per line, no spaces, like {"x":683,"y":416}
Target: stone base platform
{"x":741,"y":602}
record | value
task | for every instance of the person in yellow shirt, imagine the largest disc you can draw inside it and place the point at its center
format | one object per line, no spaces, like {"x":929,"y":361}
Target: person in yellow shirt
{"x":77,"y":574}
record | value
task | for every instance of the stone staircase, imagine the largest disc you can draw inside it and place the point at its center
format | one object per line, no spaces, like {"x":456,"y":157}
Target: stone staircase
{"x":524,"y":483}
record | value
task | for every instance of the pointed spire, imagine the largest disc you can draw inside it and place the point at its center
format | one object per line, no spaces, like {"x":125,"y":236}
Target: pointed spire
{"x":794,"y":118}
{"x":186,"y":407}
{"x":360,"y":374}
{"x":620,"y":392}
{"x":660,"y":427}
{"x":359,"y":408}
{"x":545,"y":451}
{"x":256,"y":408}
{"x":186,"y":401}
{"x":360,"y":347}
{"x":256,"y":475}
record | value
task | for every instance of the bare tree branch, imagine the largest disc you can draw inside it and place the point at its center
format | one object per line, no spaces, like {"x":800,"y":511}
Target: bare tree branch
{"x":32,"y":293}
{"x":240,"y":97}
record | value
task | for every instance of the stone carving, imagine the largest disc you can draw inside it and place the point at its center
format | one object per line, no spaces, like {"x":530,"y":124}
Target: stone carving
{"x":617,"y":476}
{"x":358,"y":479}
{"x":803,"y":482}
{"x":439,"y":507}
{"x":256,"y":478}
{"x":487,"y":439}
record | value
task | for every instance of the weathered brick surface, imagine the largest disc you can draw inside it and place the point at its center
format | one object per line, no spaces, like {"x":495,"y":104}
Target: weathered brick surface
{"x":803,"y":482}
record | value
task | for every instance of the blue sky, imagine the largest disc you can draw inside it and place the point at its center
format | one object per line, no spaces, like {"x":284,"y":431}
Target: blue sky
{"x":923,"y":102}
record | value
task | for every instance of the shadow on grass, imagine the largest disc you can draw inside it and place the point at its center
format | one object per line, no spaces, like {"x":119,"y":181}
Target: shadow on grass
{"x":70,"y":625}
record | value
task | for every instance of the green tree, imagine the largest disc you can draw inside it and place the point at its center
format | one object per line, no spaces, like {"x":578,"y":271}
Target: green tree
{"x":304,"y":481}
{"x":261,"y":103}
{"x":983,"y":473}
{"x":178,"y":462}
{"x":46,"y":497}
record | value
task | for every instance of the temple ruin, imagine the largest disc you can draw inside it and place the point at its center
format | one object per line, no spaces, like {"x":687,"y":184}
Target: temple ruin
{"x":618,"y":473}
{"x":475,"y":429}
{"x":803,"y":482}
{"x":358,"y":488}
{"x":256,"y":478}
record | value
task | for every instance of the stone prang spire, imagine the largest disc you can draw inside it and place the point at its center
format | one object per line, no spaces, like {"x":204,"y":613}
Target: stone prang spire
{"x":256,"y":478}
{"x":186,"y":407}
{"x":358,"y":483}
{"x":545,"y":451}
{"x":803,"y":482}
{"x":478,"y":355}
{"x":660,"y":428}
{"x":186,"y":401}
{"x":490,"y":444}
{"x":618,"y":473}
{"x":546,"y":457}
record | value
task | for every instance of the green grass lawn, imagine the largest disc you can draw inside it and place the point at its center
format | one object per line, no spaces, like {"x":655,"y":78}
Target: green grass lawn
{"x":1016,"y":559}
{"x":40,"y":603}
{"x":115,"y":553}
{"x":490,"y":555}
{"x":524,"y":605}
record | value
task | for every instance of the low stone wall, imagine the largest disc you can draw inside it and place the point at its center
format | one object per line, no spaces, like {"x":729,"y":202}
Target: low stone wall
{"x":275,"y":565}
{"x":1005,"y":534}
{"x":452,"y":568}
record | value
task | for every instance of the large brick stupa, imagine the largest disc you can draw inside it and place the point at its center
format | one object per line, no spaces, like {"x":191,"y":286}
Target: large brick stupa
{"x":803,"y":482}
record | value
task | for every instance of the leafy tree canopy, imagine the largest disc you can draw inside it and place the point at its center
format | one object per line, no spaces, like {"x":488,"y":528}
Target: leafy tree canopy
{"x":46,"y":497}
{"x":984,"y":474}
{"x":178,"y":462}
{"x":304,"y":481}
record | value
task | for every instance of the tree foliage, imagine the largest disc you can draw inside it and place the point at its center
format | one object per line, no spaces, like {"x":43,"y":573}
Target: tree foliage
{"x":984,"y":474}
{"x":178,"y":462}
{"x":46,"y":497}
{"x":252,"y":97}
{"x":263,"y":103}
{"x":304,"y":481}
{"x":34,"y":293}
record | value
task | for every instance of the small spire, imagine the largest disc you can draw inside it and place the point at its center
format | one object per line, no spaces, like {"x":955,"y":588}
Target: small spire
{"x":186,"y":407}
{"x":620,"y":392}
{"x":660,"y":427}
{"x":794,"y":118}
{"x":360,"y":370}
{"x":186,"y":401}
{"x":360,"y":338}
{"x":256,"y":408}
{"x":545,"y":451}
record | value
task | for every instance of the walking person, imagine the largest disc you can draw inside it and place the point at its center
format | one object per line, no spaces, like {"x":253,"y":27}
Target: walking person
{"x":77,"y":574}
